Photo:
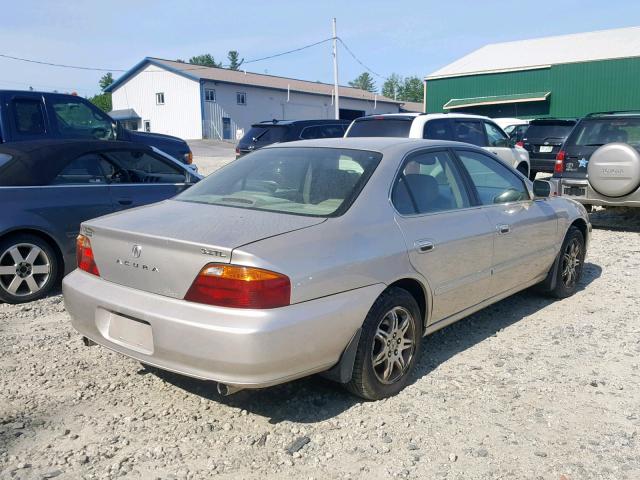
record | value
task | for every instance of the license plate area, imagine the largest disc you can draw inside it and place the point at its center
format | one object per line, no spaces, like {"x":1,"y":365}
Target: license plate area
{"x":131,"y":333}
{"x":546,"y":148}
{"x":574,"y":191}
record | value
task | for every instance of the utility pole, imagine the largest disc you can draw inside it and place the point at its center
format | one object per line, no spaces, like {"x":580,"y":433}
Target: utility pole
{"x":336,"y":94}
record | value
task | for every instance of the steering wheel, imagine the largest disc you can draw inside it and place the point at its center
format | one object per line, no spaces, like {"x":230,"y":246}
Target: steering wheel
{"x":120,"y":176}
{"x":99,"y":133}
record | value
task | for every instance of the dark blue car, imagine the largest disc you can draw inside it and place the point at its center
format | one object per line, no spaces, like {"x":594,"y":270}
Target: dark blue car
{"x":48,"y":187}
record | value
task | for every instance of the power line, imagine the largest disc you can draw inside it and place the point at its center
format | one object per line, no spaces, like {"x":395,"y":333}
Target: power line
{"x":359,"y":61}
{"x":100,"y":69}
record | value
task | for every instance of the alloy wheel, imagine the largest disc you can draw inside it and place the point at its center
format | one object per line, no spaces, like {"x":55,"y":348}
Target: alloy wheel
{"x":393,"y":345}
{"x":25,"y":269}
{"x":571,"y":263}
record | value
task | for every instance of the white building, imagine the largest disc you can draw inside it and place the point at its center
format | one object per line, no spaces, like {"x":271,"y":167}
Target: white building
{"x":192,"y":101}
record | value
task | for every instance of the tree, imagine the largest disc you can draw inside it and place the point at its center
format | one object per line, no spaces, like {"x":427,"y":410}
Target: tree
{"x":234,"y":60}
{"x":391,"y":86}
{"x":105,"y":80}
{"x":411,"y":90}
{"x":364,"y":81}
{"x":103,"y":100}
{"x":206,"y":60}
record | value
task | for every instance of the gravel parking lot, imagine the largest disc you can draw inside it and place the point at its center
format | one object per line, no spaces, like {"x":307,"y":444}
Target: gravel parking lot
{"x":529,"y":388}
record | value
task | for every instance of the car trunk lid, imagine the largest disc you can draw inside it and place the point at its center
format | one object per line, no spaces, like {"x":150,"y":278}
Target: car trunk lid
{"x":161,"y":248}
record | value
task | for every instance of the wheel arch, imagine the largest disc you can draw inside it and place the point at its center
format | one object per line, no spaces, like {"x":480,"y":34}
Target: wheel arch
{"x":419,"y":292}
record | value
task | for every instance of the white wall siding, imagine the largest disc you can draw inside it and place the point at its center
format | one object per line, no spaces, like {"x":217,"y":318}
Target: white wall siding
{"x":267,"y":104}
{"x":180,"y":115}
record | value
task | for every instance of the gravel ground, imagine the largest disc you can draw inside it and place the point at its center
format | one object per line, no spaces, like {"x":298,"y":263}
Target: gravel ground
{"x":526,"y":389}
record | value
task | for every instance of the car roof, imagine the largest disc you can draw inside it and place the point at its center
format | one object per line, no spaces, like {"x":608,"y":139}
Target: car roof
{"x":324,"y":121}
{"x":425,"y":116}
{"x":375,"y":144}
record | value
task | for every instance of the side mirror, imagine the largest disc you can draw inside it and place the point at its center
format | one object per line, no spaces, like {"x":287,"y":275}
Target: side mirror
{"x":541,"y":188}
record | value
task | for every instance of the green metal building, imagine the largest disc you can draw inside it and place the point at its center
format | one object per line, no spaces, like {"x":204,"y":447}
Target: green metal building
{"x":563,"y":76}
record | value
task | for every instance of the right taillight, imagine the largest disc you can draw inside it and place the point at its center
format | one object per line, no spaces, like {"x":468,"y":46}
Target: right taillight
{"x":236,"y":286}
{"x":520,"y":144}
{"x":84,"y":255}
{"x":559,"y":165}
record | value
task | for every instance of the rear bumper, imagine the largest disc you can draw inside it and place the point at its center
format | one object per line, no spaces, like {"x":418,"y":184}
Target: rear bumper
{"x":580,"y":190}
{"x":246,"y":348}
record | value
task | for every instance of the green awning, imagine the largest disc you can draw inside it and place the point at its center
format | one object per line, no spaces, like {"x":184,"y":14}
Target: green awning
{"x":496,"y":100}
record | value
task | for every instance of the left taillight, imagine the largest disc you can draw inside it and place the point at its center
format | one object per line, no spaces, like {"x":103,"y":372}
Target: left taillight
{"x":236,"y":286}
{"x":84,"y":255}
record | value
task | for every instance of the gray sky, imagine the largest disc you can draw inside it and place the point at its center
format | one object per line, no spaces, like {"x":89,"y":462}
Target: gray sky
{"x":405,"y":37}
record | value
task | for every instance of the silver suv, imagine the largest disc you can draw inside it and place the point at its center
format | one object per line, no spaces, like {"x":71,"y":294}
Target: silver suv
{"x":599,"y":163}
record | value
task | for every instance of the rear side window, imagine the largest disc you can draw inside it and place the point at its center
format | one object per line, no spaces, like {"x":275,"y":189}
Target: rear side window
{"x":86,"y":169}
{"x":29,"y":117}
{"x":383,"y":127}
{"x":428,"y":182}
{"x":439,"y":129}
{"x":594,"y":133}
{"x":494,"y":182}
{"x":468,"y":131}
{"x":264,"y":135}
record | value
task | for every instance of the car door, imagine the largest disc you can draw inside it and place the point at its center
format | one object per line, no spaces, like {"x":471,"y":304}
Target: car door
{"x":139,"y":177}
{"x":79,"y":192}
{"x":498,"y":144}
{"x":449,"y":241}
{"x":524,"y":229}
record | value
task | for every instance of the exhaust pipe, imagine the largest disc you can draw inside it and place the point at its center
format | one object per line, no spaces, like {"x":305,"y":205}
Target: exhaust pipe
{"x":226,"y":390}
{"x":87,"y":342}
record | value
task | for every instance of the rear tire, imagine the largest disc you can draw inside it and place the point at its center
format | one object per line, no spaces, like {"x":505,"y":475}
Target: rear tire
{"x":570,"y":264}
{"x":389,"y":346}
{"x":29,"y":268}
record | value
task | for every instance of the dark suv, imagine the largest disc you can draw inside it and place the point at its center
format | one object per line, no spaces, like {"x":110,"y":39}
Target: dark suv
{"x":543,"y":139}
{"x":275,"y":131}
{"x":599,"y":163}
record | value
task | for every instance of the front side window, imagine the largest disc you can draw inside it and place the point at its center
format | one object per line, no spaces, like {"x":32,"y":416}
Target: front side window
{"x":495,"y":136}
{"x":29,"y":117}
{"x":438,"y":129}
{"x":210,"y":95}
{"x":241,"y":98}
{"x":134,"y":166}
{"x":86,"y":169}
{"x":468,"y":131}
{"x":160,"y":98}
{"x":428,"y":183}
{"x":494,"y":182}
{"x":77,"y":119}
{"x":320,"y":182}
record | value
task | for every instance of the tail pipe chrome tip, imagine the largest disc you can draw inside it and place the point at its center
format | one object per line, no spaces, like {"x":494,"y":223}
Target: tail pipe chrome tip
{"x":225,"y":390}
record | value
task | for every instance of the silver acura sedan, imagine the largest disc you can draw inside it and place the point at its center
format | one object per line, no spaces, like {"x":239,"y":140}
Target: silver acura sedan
{"x":332,"y":256}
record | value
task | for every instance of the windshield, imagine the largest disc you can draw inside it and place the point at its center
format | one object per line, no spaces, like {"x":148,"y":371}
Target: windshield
{"x":549,"y":130}
{"x":383,"y":127}
{"x":320,"y":182}
{"x":594,"y":133}
{"x":262,"y":135}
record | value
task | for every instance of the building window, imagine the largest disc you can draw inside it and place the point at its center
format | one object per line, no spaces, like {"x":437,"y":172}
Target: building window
{"x":147,"y":125}
{"x":241,"y":98}
{"x":160,"y":98}
{"x":210,"y":95}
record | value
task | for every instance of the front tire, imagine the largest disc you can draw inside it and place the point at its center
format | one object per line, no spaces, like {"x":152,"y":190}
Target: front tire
{"x":388,"y":346}
{"x":570,"y":264}
{"x":29,"y":268}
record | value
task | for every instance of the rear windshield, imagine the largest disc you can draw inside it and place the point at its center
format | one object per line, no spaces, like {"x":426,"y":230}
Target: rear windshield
{"x":267,"y":134}
{"x":319,"y":182}
{"x":386,"y":127}
{"x":594,"y":133}
{"x":549,"y":130}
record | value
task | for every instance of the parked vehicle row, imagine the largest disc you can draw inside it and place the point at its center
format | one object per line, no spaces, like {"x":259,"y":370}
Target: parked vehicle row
{"x":48,"y":187}
{"x":26,"y":116}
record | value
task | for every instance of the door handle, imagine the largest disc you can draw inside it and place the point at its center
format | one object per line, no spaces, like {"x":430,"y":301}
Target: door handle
{"x":424,"y":246}
{"x":503,"y":228}
{"x":125,"y":201}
